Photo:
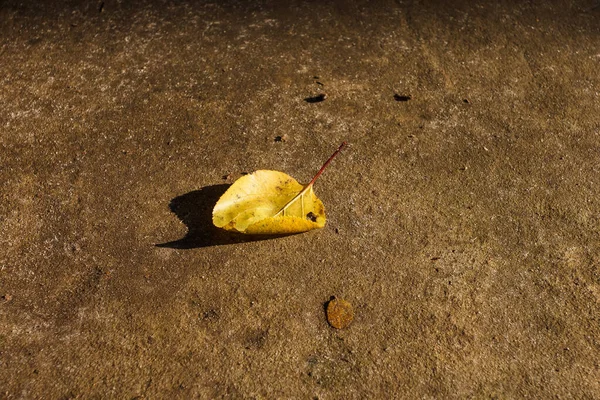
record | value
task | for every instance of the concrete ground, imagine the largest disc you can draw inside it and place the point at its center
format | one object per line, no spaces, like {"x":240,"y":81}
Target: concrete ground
{"x":463,"y":218}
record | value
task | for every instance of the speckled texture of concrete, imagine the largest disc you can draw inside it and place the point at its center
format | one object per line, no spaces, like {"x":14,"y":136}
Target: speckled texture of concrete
{"x":463,"y":223}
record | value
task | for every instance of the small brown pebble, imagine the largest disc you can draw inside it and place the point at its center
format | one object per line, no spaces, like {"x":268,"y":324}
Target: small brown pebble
{"x":7,"y":297}
{"x":339,"y":313}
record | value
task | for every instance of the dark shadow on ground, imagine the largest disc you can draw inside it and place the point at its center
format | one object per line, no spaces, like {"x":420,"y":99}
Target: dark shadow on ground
{"x":194,"y":209}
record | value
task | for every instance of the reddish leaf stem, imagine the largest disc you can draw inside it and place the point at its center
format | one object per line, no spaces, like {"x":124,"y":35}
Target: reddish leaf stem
{"x":326,"y":164}
{"x":308,"y":187}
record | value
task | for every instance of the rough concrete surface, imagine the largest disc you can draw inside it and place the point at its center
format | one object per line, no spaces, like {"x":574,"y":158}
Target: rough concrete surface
{"x":463,"y":218}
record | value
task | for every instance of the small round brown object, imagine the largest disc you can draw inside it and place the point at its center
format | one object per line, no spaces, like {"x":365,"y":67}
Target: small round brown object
{"x":339,"y":313}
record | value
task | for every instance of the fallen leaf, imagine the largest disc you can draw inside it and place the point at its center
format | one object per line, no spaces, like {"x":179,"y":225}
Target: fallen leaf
{"x":271,"y":203}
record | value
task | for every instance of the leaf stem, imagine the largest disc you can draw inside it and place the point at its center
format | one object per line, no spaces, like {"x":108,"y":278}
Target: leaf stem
{"x":309,"y":186}
{"x":326,"y":164}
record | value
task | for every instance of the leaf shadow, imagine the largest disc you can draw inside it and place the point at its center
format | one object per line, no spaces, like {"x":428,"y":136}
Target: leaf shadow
{"x":194,"y":209}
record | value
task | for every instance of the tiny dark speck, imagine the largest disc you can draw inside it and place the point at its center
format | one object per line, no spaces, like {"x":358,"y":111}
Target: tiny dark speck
{"x":311,"y":216}
{"x":278,"y":139}
{"x":316,"y":99}
{"x":398,"y":97}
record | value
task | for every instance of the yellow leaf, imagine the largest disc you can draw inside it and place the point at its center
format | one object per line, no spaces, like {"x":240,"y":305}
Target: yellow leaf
{"x":270,"y":203}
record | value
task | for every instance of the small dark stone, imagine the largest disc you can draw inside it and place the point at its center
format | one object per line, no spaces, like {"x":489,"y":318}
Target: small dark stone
{"x":398,"y":97}
{"x":316,"y":99}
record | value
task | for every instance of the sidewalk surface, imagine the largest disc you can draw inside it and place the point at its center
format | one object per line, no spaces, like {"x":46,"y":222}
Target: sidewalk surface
{"x":463,"y":217}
